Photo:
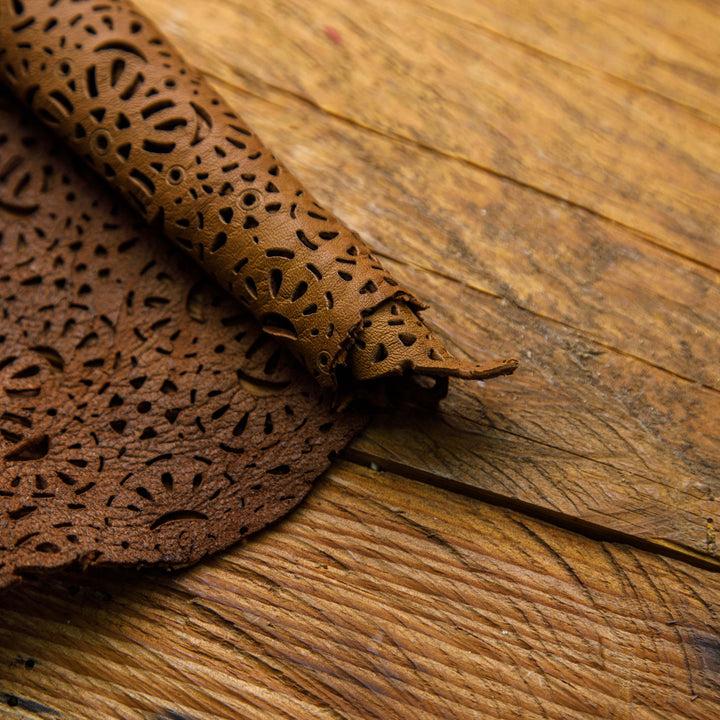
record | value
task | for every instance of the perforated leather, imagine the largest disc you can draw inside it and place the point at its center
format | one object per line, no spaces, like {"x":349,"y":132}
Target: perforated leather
{"x":104,"y":79}
{"x":386,"y":335}
{"x":144,"y":416}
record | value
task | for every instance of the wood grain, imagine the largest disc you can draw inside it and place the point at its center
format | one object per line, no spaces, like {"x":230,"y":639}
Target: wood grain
{"x":407,"y":70}
{"x":557,"y":260}
{"x":584,"y":428}
{"x":580,"y":431}
{"x":380,"y":598}
{"x":667,"y":48}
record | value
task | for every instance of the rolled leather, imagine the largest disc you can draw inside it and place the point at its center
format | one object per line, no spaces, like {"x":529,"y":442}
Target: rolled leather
{"x":105,"y":79}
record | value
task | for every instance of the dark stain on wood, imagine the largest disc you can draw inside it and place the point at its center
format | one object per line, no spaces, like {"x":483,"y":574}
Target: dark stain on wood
{"x":22,"y":703}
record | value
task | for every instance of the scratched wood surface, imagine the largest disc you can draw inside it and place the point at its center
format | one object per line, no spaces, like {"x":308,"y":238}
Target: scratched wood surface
{"x":380,"y":598}
{"x":545,"y":175}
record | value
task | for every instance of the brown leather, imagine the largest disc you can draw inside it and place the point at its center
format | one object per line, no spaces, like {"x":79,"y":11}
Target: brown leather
{"x":104,"y":78}
{"x":385,"y":336}
{"x":144,"y":416}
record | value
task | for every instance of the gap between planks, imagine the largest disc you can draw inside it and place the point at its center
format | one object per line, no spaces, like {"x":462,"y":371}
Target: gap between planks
{"x":590,"y":530}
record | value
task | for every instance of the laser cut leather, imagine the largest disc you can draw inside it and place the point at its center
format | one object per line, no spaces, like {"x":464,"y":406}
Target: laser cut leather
{"x":105,"y":80}
{"x":144,"y":416}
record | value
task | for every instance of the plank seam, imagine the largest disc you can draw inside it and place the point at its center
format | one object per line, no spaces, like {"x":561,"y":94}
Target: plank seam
{"x":693,"y":110}
{"x":586,"y":528}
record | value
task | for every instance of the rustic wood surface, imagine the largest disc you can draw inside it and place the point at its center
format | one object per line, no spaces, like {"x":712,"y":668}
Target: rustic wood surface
{"x":380,"y":598}
{"x":545,"y":174}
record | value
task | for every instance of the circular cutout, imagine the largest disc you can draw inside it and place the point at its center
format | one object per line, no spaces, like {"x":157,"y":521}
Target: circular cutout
{"x":175,"y":175}
{"x":249,"y":199}
{"x":323,"y":360}
{"x":101,"y":141}
{"x":63,"y":67}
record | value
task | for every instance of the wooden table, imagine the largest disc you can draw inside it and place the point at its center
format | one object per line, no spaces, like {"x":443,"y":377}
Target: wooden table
{"x":547,"y":173}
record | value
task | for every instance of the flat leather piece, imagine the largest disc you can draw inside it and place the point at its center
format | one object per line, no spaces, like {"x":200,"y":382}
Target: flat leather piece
{"x":104,"y":79}
{"x":144,"y":416}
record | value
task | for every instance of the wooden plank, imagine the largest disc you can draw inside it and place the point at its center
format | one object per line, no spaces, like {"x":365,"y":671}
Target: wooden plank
{"x":379,"y":598}
{"x":667,"y":47}
{"x":405,"y":70}
{"x":586,"y":433}
{"x":387,"y":598}
{"x":581,"y":429}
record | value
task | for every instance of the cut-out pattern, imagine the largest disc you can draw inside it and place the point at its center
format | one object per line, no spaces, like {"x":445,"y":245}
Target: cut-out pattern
{"x":104,"y":78}
{"x":381,"y":345}
{"x":144,"y":416}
